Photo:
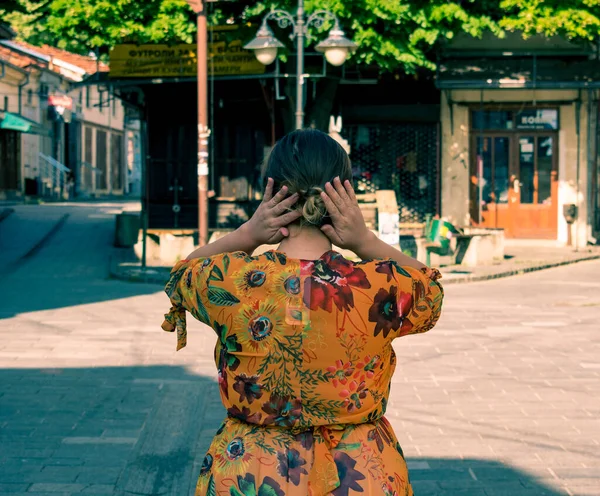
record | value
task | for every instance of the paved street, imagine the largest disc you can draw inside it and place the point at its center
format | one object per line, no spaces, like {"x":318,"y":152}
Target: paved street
{"x":502,"y":398}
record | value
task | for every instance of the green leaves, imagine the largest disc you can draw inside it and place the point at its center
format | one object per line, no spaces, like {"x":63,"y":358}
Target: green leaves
{"x":395,"y":35}
{"x":201,"y":314}
{"x":215,"y":274}
{"x":225,"y":263}
{"x":212,"y":490}
{"x":221,"y":297}
{"x":248,"y":487}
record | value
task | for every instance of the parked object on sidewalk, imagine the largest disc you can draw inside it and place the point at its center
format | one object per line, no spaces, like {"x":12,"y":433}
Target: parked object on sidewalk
{"x":127,"y":228}
{"x":438,"y":234}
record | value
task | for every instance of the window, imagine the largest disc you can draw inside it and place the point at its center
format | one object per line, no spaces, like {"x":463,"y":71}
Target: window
{"x":116,"y":160}
{"x":492,"y":119}
{"x":87,"y":97}
{"x":29,"y":96}
{"x":531,"y":118}
{"x":6,"y":103}
{"x":80,"y":97}
{"x":101,"y":159}
{"x":100,"y":100}
{"x":114,"y":105}
{"x":43,"y":90}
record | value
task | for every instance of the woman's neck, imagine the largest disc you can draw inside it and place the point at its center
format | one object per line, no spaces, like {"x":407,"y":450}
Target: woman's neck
{"x":305,"y":242}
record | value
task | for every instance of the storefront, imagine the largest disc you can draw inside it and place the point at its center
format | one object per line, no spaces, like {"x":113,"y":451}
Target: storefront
{"x":513,"y":170}
{"x":11,"y":128}
{"x":519,"y":139}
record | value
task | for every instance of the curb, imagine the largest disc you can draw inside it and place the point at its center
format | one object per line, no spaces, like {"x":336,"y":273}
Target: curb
{"x":153,"y":276}
{"x":32,"y":251}
{"x":6,"y":213}
{"x":516,"y":272}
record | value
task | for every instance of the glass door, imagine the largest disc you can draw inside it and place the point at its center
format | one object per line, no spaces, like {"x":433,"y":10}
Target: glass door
{"x":535,"y":186}
{"x":490,"y":171}
{"x":536,"y":169}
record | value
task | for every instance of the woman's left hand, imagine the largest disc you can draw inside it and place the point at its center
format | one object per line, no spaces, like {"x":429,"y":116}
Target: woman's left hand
{"x":268,"y":224}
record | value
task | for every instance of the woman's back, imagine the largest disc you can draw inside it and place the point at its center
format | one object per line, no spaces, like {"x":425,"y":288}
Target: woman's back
{"x":304,"y":361}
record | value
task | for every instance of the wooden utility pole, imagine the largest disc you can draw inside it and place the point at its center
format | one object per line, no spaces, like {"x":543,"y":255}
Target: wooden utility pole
{"x":199,"y":7}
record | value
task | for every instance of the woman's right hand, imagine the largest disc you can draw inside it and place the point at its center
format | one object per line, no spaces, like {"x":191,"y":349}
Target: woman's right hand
{"x":348,"y":229}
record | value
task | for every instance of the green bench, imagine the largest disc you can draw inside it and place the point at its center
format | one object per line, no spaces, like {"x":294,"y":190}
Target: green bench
{"x":438,"y":234}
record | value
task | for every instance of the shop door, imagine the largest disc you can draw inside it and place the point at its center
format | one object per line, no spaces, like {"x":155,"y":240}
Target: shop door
{"x":489,"y":184}
{"x":535,"y":186}
{"x":9,"y":160}
{"x":514,"y":184}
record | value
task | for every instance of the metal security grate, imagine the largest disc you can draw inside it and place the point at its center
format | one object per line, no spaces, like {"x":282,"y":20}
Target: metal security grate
{"x":402,"y":157}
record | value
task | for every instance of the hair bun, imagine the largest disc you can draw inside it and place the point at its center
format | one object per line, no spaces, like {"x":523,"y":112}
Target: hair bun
{"x":313,"y":210}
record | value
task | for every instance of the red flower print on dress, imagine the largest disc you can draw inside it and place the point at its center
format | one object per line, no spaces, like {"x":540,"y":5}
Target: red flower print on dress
{"x":340,"y":372}
{"x":354,"y":395}
{"x":389,"y":310}
{"x":365,"y":368}
{"x":331,"y":280}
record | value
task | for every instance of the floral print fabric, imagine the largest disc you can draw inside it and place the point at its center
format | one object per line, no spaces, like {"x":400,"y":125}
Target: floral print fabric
{"x":304,"y":363}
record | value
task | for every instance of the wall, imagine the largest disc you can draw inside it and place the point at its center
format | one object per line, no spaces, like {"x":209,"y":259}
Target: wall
{"x":455,"y":152}
{"x":30,"y":143}
{"x":100,"y":112}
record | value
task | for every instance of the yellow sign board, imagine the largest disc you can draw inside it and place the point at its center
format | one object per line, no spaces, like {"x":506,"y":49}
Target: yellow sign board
{"x":225,"y":58}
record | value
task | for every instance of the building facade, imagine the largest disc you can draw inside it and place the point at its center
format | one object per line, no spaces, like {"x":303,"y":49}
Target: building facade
{"x":519,"y":138}
{"x":59,"y":139}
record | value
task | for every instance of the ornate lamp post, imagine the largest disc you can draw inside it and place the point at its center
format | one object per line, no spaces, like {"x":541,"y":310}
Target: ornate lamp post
{"x":336,"y":47}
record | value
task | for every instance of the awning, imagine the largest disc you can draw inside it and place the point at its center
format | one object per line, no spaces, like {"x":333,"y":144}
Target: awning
{"x":15,"y":122}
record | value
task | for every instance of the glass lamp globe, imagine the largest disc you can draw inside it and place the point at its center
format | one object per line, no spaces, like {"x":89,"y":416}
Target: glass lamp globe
{"x":266,"y":55}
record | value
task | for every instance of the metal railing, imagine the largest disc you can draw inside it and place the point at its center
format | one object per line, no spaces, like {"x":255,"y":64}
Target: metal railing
{"x":54,"y":178}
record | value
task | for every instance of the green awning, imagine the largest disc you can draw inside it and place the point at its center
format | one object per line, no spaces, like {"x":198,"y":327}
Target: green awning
{"x":15,"y":122}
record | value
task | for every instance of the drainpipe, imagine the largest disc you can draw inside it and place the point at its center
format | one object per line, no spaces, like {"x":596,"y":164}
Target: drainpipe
{"x":578,"y":132}
{"x":591,"y":161}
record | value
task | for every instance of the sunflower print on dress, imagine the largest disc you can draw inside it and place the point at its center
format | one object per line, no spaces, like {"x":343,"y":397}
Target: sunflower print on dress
{"x":304,"y":362}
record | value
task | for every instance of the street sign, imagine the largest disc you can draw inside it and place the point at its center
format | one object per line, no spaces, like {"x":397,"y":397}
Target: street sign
{"x":225,"y":58}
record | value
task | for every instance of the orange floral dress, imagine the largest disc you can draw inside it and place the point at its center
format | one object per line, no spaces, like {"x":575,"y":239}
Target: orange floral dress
{"x":304,"y":360}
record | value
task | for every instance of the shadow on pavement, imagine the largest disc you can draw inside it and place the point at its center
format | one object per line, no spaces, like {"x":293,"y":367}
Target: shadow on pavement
{"x":109,"y":430}
{"x":70,"y":268}
{"x":144,"y":431}
{"x":30,"y":293}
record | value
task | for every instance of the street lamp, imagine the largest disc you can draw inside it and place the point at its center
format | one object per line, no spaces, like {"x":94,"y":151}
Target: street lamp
{"x":336,"y":46}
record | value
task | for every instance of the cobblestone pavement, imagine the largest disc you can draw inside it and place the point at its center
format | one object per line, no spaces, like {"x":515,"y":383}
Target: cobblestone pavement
{"x":502,"y":398}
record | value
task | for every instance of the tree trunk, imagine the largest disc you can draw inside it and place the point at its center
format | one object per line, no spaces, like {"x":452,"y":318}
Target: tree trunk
{"x":317,"y":113}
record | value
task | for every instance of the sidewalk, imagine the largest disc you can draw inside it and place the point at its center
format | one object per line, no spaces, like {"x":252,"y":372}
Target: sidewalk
{"x":25,"y":229}
{"x":499,"y":399}
{"x":519,"y":259}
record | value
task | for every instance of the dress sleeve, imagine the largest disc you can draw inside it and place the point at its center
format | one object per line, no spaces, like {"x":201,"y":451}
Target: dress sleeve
{"x":185,"y":290}
{"x":427,"y":298}
{"x":415,"y":295}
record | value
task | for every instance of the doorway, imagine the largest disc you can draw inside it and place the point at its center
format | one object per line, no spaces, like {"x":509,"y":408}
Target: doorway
{"x":514,"y":182}
{"x":10,"y":156}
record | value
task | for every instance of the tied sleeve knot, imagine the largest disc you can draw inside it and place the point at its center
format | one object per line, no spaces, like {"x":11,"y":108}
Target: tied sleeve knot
{"x":175,"y":319}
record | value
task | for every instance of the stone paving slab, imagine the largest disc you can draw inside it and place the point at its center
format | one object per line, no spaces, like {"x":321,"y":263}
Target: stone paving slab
{"x":500,"y":398}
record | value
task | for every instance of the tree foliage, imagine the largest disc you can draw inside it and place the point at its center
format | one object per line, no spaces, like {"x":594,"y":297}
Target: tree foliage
{"x":573,"y":19}
{"x":391,"y":34}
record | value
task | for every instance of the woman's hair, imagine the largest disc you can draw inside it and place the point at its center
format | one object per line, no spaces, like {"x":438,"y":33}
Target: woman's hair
{"x":304,"y":161}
